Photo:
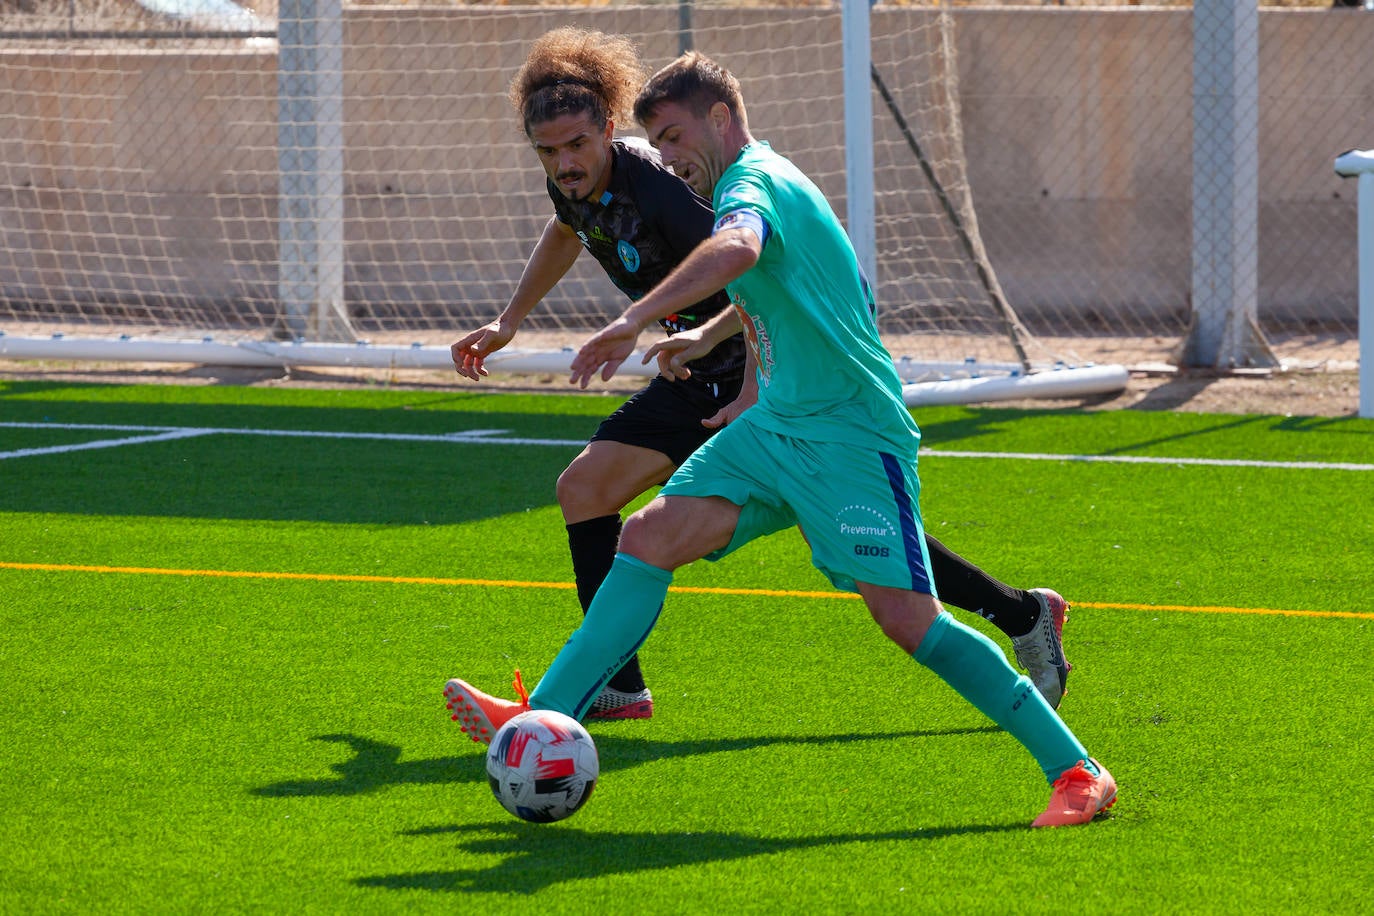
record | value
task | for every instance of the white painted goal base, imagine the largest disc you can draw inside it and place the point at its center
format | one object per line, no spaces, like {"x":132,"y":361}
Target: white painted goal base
{"x":967,"y":382}
{"x":1062,"y":382}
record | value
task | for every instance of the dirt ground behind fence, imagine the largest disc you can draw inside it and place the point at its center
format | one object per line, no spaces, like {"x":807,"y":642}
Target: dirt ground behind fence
{"x":1320,"y":392}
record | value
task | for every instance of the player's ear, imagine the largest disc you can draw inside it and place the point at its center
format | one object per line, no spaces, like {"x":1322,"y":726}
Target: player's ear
{"x":609,"y":132}
{"x":719,"y":116}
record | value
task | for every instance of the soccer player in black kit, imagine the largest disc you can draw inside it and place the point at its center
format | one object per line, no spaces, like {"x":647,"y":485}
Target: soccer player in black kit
{"x":613,"y":197}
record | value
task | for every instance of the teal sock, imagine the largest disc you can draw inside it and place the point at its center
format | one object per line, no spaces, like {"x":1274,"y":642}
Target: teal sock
{"x":976,"y":667}
{"x":619,"y":619}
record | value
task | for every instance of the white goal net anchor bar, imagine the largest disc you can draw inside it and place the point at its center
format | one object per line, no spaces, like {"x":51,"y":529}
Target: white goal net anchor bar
{"x":1359,"y":164}
{"x":924,"y":383}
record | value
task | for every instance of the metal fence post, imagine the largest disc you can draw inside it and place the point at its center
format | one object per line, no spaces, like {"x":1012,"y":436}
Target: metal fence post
{"x":1224,"y":333}
{"x":310,"y":165}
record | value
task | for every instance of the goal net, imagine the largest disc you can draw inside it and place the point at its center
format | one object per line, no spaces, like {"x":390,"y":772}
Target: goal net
{"x":323,"y":179}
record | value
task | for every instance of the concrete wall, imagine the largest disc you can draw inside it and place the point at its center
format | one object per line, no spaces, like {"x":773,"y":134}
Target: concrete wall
{"x":1078,"y":134}
{"x":145,"y":174}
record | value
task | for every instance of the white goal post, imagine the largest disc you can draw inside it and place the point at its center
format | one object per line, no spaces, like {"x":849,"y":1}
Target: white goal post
{"x":1359,"y":164}
{"x":348,"y":186}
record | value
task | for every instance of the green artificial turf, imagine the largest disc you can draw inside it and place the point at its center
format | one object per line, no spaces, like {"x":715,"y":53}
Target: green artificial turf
{"x":180,"y":740}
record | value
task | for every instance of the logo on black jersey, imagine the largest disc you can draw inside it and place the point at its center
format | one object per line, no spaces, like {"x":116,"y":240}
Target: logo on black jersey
{"x":629,"y":255}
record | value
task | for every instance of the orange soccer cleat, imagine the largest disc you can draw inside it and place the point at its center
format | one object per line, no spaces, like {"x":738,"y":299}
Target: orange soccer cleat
{"x":1079,"y":796}
{"x":480,"y":714}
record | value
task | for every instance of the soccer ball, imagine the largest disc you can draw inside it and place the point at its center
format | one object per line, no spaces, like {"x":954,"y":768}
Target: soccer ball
{"x":542,"y":766}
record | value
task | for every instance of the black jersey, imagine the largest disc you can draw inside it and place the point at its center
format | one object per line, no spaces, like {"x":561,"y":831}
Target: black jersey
{"x":642,"y":227}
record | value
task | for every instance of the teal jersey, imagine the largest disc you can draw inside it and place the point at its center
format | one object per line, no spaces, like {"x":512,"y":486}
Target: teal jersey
{"x":823,"y":372}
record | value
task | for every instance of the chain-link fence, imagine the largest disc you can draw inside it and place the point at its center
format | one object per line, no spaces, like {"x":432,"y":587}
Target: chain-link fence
{"x":1079,"y":127}
{"x":141,"y":160}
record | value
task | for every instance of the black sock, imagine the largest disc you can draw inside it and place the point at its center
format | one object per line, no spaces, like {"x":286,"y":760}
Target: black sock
{"x":1014,"y":611}
{"x":593,"y":544}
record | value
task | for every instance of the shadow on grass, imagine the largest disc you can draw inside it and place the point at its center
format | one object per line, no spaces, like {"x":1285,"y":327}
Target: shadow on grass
{"x":965,"y":430}
{"x":541,"y":856}
{"x":376,"y":765}
{"x":238,"y":475}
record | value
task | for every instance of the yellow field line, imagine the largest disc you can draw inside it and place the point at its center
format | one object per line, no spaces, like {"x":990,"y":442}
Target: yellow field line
{"x":1207,"y":609}
{"x":681,"y":589}
{"x":247,"y":574}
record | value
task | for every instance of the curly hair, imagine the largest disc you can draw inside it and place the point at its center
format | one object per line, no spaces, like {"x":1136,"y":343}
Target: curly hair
{"x":575,"y":71}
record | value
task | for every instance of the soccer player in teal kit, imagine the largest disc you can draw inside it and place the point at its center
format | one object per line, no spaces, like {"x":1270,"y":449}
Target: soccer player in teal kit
{"x":827,"y":444}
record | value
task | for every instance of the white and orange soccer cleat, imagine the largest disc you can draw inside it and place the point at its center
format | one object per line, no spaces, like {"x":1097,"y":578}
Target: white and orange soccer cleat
{"x":617,"y":704}
{"x":480,"y":714}
{"x":1079,"y":795}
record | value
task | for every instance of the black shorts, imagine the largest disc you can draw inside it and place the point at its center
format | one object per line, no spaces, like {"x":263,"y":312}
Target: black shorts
{"x":666,"y":416}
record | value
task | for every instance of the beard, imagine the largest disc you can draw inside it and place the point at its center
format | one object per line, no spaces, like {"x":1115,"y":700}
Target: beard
{"x":579,"y":177}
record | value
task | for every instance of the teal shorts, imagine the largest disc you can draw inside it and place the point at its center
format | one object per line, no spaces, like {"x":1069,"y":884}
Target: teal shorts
{"x":857,"y":507}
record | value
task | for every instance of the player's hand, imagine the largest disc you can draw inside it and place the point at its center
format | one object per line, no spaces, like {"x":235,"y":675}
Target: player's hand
{"x":470,"y":353}
{"x":730,"y":412}
{"x":675,"y":352}
{"x":605,"y":350}
{"x":725,"y":416}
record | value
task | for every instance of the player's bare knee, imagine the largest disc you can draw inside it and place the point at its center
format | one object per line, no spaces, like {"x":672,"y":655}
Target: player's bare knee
{"x":647,"y":536}
{"x":904,"y":632}
{"x":569,"y":488}
{"x":903,"y":616}
{"x":669,"y":533}
{"x":582,"y":492}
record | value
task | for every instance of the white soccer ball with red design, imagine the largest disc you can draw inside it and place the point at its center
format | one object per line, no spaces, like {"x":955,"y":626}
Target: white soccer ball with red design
{"x":542,"y":765}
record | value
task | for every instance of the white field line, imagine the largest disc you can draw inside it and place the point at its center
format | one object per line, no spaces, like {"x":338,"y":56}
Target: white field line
{"x":104,"y":443}
{"x":497,"y":437}
{"x":155,"y":433}
{"x":1151,"y":459}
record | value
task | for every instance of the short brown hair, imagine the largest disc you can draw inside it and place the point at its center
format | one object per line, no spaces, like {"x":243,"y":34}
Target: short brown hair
{"x":575,"y":71}
{"x":694,"y":81}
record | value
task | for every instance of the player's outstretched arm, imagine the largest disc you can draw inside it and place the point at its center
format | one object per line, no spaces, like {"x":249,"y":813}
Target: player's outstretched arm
{"x":553,"y":256}
{"x":712,"y":264}
{"x":675,"y":352}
